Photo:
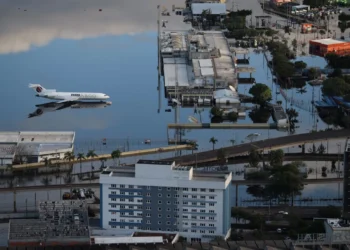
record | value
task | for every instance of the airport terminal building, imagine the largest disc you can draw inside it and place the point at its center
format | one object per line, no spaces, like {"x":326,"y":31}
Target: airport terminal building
{"x":34,"y":146}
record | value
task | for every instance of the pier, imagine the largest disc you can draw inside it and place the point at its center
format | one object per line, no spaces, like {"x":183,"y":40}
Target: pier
{"x":105,"y":156}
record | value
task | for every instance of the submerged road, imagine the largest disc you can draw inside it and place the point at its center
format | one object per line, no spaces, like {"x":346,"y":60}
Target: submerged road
{"x":97,"y":185}
{"x":268,"y":144}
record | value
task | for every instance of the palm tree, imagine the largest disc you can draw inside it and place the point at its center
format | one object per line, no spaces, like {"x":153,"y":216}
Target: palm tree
{"x":91,"y":154}
{"x":69,"y":156}
{"x":194,"y":146}
{"x":80,"y":157}
{"x":115,"y":154}
{"x":213,"y":140}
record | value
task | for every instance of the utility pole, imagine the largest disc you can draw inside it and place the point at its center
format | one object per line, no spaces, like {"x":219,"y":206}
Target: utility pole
{"x":339,"y":148}
{"x":159,"y":60}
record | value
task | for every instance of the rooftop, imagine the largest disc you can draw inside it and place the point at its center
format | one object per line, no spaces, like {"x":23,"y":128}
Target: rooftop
{"x":166,"y":172}
{"x":56,"y":222}
{"x":209,"y":57}
{"x":328,"y":41}
{"x":215,"y":8}
{"x":37,"y":137}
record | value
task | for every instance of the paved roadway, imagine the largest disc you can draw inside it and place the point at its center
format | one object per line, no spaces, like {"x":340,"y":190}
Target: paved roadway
{"x":97,"y":185}
{"x":304,"y":212}
{"x":269,"y":144}
{"x":287,"y":157}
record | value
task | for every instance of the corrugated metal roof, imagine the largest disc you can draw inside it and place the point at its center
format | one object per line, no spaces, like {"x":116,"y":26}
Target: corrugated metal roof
{"x":175,"y":72}
{"x":207,"y":71}
{"x":328,"y":41}
{"x":215,"y":8}
{"x":205,"y":63}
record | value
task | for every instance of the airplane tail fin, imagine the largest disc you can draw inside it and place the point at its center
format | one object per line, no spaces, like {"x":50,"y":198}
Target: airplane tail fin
{"x":37,"y":88}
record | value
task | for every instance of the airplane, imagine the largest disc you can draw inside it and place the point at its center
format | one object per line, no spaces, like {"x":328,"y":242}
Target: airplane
{"x":54,"y":106}
{"x":66,"y":96}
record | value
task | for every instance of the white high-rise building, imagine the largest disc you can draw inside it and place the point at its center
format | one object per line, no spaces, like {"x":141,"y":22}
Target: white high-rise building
{"x":161,"y":196}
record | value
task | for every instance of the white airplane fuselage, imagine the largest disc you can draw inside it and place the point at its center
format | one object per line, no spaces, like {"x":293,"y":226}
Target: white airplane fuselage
{"x":78,"y":96}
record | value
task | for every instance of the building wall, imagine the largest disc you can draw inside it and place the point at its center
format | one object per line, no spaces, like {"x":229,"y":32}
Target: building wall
{"x":321,"y":49}
{"x":189,"y":207}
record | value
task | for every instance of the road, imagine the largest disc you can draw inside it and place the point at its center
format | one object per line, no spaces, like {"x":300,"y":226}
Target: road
{"x":303,"y":212}
{"x":269,"y":144}
{"x":97,"y":185}
{"x":287,"y":157}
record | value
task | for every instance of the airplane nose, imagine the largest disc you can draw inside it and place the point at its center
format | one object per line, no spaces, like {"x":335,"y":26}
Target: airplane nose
{"x":107,"y":97}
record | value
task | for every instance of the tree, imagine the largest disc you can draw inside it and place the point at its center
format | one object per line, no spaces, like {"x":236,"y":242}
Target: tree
{"x":80,"y":157}
{"x":335,"y":87}
{"x":21,"y":153}
{"x":254,"y":158}
{"x":69,"y":156}
{"x":313,"y":149}
{"x":194,"y":146}
{"x":261,"y":93}
{"x":221,"y":157}
{"x":213,"y":140}
{"x":215,"y":111}
{"x":276,"y":157}
{"x":292,"y":118}
{"x":286,"y":181}
{"x":300,"y":65}
{"x":329,"y":212}
{"x":116,"y":154}
{"x":91,"y":154}
{"x":321,"y":149}
{"x":312,"y":73}
{"x":259,"y":115}
{"x":233,"y":142}
{"x":232,"y":116}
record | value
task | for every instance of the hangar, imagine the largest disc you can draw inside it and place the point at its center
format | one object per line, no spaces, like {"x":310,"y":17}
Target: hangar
{"x":34,"y":146}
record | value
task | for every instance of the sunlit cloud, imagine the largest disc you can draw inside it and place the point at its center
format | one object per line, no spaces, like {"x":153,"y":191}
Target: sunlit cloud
{"x":26,"y":24}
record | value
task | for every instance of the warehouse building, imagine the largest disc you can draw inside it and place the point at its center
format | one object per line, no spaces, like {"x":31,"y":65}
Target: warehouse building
{"x":322,"y":47}
{"x":34,"y":146}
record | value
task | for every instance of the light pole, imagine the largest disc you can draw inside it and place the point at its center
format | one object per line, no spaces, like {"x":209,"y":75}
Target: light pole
{"x":159,"y":22}
{"x":339,"y":148}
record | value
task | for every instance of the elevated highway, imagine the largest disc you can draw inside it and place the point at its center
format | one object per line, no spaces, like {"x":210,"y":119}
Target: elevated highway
{"x":104,"y":157}
{"x":287,"y":157}
{"x":268,"y":144}
{"x":97,"y":185}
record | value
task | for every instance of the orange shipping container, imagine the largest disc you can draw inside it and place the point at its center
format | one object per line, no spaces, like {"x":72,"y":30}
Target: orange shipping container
{"x":322,"y":47}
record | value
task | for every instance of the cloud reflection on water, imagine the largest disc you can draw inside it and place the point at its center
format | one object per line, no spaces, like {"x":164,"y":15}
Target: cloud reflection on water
{"x":27,"y":24}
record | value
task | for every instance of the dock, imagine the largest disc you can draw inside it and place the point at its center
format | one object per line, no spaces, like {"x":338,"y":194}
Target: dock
{"x":223,"y":126}
{"x":105,"y":157}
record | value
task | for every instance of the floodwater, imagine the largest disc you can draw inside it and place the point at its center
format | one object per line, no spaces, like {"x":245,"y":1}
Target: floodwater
{"x":110,"y":47}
